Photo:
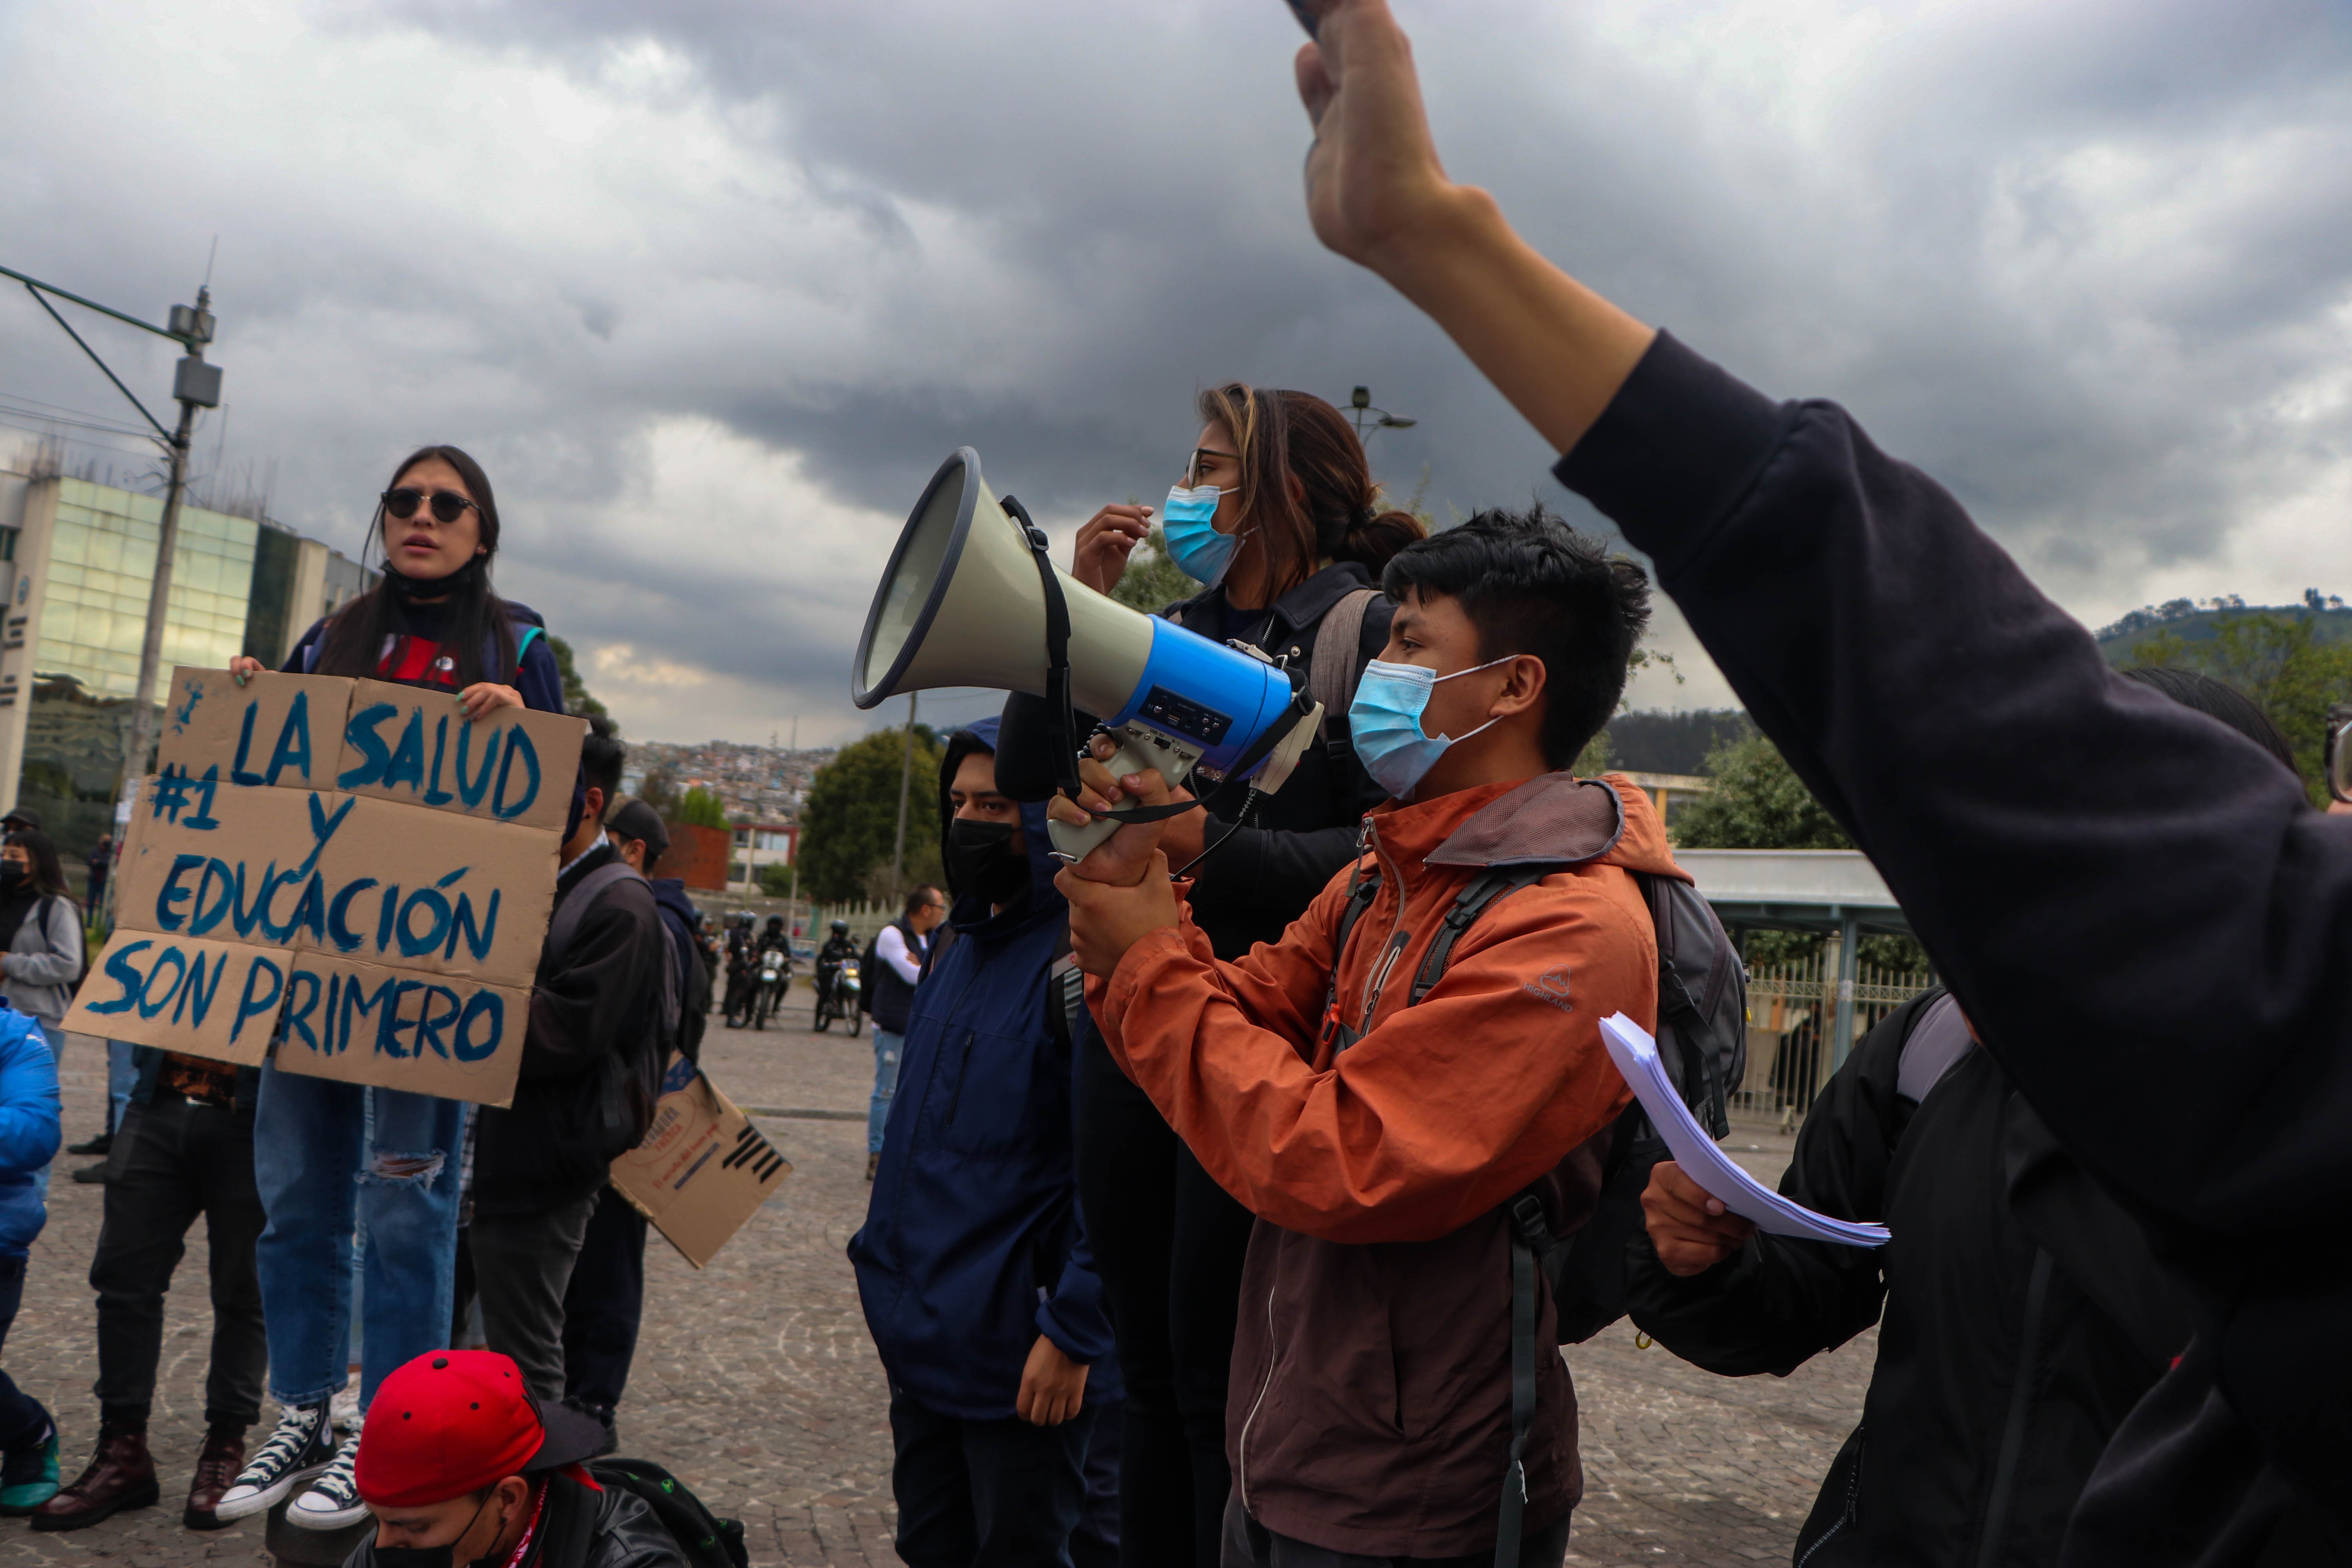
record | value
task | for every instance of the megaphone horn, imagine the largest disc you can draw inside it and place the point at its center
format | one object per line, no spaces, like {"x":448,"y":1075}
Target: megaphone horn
{"x":964,"y":602}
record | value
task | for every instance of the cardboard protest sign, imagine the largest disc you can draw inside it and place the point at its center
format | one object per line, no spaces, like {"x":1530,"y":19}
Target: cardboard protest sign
{"x":349,"y":859}
{"x":703,"y":1169}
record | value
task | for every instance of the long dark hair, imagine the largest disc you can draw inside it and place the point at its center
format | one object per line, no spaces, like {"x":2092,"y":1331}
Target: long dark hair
{"x":1283,"y":434}
{"x":478,"y":618}
{"x":47,"y":876}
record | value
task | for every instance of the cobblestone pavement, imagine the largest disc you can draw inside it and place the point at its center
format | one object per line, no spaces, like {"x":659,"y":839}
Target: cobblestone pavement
{"x":755,"y":1379}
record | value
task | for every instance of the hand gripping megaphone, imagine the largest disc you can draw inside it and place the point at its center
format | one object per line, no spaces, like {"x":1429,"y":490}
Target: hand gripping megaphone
{"x":969,"y":599}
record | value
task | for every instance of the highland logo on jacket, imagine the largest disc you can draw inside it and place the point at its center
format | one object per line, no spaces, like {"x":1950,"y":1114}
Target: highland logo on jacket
{"x":1551,"y":986}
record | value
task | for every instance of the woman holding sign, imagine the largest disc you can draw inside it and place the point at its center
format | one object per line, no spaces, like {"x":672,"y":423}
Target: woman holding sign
{"x":334,"y":1157}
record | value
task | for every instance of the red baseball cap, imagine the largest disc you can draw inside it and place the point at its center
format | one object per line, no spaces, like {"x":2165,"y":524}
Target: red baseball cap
{"x":454,"y":1422}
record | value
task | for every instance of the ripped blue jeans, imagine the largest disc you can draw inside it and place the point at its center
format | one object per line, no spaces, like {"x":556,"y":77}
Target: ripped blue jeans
{"x":329,"y":1162}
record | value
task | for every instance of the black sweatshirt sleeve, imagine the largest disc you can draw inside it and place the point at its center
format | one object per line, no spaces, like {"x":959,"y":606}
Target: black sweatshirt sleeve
{"x":604,"y":995}
{"x":1780,"y":1300}
{"x":2147,"y":922}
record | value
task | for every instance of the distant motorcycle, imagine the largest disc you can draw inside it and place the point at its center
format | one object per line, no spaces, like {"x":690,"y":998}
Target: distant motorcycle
{"x":839,"y":999}
{"x":774,"y":975}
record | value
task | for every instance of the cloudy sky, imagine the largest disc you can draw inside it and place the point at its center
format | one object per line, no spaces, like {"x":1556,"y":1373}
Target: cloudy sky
{"x":712,"y":286}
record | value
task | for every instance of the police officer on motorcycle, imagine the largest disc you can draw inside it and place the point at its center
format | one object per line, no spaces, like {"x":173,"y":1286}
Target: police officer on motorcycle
{"x":838,"y":946}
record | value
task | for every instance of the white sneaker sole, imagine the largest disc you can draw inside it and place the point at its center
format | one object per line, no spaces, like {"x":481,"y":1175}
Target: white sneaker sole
{"x":233,"y":1507}
{"x":324,"y":1518}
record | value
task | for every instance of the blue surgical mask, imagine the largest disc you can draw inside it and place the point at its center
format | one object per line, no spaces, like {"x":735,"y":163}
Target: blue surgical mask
{"x":1384,"y":722}
{"x":1188,"y":526}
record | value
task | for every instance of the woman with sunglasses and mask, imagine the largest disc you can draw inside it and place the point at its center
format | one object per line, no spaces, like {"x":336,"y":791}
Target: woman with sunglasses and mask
{"x":330,"y":1156}
{"x":1278,"y":518}
{"x":40,"y":933}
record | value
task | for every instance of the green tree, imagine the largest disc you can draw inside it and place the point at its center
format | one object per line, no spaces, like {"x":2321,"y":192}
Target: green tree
{"x":701,"y":807}
{"x":2282,"y":663}
{"x":1153,"y":582}
{"x":851,"y":817}
{"x":576,"y":698}
{"x":660,"y":790}
{"x":776,"y":881}
{"x":1760,"y":803}
{"x":1757,"y":803}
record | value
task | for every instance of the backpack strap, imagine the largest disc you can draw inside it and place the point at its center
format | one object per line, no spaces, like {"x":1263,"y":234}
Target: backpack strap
{"x":574,"y":908}
{"x":1332,"y":669}
{"x":523,"y":643}
{"x":1360,"y":894}
{"x":1523,"y":1385}
{"x":1468,"y":905}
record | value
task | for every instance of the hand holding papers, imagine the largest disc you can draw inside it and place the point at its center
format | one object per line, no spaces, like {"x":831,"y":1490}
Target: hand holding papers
{"x":1636,"y":1055}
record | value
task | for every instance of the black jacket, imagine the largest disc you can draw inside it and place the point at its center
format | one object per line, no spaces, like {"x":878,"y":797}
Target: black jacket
{"x":584,"y":1529}
{"x":592,"y":1016}
{"x":2143,"y":914}
{"x":1994,"y":1395}
{"x":1265,"y":874}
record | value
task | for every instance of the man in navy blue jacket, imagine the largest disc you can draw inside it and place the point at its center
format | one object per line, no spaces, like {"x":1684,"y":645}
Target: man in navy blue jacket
{"x":2135,"y":903}
{"x":972,"y":1264}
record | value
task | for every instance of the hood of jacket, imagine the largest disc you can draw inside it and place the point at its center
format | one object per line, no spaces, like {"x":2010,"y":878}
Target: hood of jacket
{"x":967,"y":915}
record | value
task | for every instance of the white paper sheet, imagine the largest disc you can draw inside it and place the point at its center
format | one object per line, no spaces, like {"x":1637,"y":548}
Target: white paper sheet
{"x":1636,"y":1055}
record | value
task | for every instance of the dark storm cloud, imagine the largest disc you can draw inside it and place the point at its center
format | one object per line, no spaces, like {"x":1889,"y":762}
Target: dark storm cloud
{"x":2088,"y":265}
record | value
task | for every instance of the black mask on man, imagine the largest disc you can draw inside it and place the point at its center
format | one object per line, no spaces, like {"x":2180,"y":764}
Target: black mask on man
{"x":442,"y":1556}
{"x":982,"y":860}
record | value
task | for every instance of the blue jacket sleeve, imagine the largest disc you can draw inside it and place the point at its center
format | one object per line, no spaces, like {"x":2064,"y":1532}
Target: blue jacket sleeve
{"x":29,"y":1127}
{"x":1073,"y":1315}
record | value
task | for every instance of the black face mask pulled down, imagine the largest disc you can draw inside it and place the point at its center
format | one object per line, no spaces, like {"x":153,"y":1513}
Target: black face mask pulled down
{"x":12,"y":875}
{"x":982,"y":861}
{"x":460,"y":581}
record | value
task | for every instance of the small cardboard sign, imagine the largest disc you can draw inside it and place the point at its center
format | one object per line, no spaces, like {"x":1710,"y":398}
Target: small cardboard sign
{"x":348,"y":862}
{"x":703,"y":1169}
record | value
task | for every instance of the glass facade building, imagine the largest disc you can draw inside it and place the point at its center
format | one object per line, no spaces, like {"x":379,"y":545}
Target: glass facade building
{"x":78,"y":567}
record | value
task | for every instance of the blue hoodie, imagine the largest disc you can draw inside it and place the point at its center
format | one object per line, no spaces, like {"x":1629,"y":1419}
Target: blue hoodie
{"x":28,"y":1129}
{"x":973,"y":1246}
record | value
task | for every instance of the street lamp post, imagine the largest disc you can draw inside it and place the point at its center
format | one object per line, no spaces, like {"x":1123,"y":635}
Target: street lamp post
{"x":1369,"y":421}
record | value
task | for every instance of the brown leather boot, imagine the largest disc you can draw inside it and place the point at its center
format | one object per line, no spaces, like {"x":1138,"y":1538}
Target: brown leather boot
{"x":216,"y":1469}
{"x":122,"y":1474}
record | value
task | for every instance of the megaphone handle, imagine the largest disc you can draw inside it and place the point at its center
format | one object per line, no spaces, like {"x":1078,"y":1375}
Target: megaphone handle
{"x":1140,"y":748}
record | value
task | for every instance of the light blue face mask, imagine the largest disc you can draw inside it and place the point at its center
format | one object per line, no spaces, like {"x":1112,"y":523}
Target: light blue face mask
{"x":1189,"y":525}
{"x":1384,"y":722}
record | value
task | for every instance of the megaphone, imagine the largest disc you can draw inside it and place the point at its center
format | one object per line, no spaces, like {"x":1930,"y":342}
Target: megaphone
{"x":969,"y":599}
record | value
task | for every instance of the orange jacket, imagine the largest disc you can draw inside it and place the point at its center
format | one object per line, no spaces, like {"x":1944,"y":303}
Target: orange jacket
{"x":1369,"y":1407}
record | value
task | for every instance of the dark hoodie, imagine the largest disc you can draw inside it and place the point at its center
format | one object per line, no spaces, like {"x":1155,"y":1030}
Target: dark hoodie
{"x":2137,"y":907}
{"x":974,"y":1211}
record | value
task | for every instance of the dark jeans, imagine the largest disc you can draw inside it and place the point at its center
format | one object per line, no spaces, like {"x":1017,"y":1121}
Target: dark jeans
{"x":1169,"y":1245}
{"x":605,"y":1303}
{"x":21,"y":1419}
{"x":1249,"y":1545}
{"x":522,"y":1264}
{"x":985,"y":1494}
{"x":183,"y":1160}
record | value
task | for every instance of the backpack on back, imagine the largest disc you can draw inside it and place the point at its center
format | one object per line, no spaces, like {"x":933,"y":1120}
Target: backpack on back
{"x":703,"y":1539}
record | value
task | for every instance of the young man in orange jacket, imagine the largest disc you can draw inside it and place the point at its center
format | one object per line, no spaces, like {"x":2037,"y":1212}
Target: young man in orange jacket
{"x":1377,"y":1137}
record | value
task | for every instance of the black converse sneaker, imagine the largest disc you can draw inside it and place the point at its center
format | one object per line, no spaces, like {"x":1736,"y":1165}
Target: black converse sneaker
{"x":333,"y":1501}
{"x":297,"y":1450}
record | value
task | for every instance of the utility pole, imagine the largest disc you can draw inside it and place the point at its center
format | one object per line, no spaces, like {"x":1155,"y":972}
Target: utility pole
{"x":795,"y":912}
{"x":196,"y":386}
{"x":906,"y":783}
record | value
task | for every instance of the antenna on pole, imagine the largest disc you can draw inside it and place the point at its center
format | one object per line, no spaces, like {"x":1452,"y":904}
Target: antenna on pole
{"x":209,"y":255}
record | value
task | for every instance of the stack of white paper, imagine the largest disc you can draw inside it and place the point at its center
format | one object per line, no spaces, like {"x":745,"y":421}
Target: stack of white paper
{"x":1636,"y":1055}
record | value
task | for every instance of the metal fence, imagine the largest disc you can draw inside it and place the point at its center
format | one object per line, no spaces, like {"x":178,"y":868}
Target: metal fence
{"x":1792,"y":1029}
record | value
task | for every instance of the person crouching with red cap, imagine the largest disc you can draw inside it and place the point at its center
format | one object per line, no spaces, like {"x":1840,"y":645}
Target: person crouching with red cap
{"x":461,"y":1468}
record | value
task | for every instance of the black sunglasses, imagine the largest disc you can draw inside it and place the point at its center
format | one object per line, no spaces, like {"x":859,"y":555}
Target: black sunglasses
{"x":448,"y":506}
